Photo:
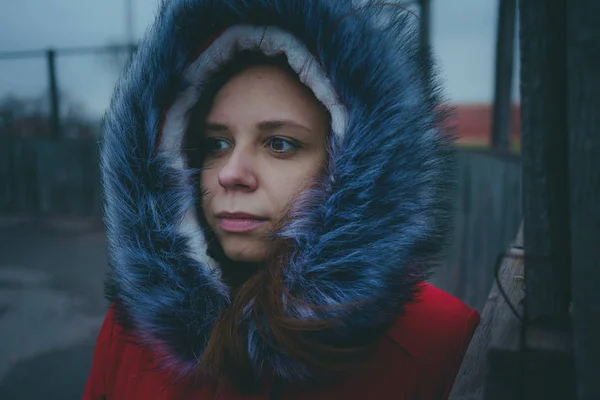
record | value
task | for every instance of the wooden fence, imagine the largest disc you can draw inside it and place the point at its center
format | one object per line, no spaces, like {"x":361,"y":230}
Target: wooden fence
{"x":487,"y":218}
{"x":48,"y":178}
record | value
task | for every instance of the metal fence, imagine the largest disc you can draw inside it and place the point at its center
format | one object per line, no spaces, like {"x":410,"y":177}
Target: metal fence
{"x":42,"y":177}
{"x":65,"y":93}
{"x":61,"y":86}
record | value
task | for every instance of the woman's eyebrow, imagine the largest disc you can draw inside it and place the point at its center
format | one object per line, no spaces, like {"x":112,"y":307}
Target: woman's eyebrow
{"x":215,"y":127}
{"x":268,"y":126}
{"x":263,"y":126}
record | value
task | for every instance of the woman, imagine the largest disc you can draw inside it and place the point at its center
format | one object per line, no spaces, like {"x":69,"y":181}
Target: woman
{"x":277,"y":188}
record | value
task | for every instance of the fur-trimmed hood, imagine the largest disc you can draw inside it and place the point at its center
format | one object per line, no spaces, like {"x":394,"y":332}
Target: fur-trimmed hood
{"x":366,"y":238}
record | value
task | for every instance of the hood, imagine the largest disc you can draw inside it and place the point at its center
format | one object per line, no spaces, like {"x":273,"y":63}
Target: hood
{"x":366,"y":238}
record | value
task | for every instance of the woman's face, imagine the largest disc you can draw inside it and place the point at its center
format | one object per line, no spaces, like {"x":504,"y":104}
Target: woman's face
{"x":266,"y":140}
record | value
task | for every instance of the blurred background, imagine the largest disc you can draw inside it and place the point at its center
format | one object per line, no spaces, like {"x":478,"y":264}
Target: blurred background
{"x":59,"y":61}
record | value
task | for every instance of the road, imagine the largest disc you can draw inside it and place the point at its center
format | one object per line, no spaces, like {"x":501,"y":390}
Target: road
{"x":51,"y":307}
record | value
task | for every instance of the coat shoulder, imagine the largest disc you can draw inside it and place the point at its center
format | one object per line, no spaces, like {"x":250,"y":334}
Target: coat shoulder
{"x":435,"y":330}
{"x":123,"y":368}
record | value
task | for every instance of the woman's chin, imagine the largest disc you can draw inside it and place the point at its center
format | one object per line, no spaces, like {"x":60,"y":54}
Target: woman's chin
{"x":249,"y":251}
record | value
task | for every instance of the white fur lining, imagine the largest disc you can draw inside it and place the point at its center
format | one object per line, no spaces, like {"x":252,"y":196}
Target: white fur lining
{"x":270,"y":41}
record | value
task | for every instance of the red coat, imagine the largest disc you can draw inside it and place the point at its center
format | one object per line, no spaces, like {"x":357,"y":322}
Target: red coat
{"x":417,"y":359}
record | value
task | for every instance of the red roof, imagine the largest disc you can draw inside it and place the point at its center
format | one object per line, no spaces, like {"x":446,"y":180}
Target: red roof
{"x":473,"y":122}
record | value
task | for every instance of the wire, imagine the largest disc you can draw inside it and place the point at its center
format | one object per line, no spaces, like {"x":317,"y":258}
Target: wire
{"x":520,"y":386}
{"x":497,"y":266}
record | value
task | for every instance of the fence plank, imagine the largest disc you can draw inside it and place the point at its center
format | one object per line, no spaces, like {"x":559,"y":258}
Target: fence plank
{"x":487,"y":216}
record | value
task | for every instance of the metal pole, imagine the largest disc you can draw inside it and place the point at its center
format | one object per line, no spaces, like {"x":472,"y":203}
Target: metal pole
{"x":54,"y":98}
{"x":425,"y":34}
{"x":129,"y":21}
{"x":505,"y":49}
{"x":129,"y":25}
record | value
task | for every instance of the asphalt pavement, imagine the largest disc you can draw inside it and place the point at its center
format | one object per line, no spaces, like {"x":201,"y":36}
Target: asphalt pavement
{"x":51,"y":306}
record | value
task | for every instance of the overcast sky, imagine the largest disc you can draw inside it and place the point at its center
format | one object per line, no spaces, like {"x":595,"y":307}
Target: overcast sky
{"x":463,"y":36}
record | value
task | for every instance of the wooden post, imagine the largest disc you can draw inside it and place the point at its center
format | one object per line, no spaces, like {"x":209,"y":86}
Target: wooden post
{"x":584,"y":148}
{"x":545,"y":163}
{"x":54,"y":100}
{"x":546,"y":362}
{"x":505,"y":49}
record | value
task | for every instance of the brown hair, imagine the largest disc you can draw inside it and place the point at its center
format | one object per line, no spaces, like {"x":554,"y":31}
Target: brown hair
{"x":226,"y":356}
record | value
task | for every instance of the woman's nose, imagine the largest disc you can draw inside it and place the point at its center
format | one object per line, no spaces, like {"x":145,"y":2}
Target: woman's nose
{"x":238,"y":173}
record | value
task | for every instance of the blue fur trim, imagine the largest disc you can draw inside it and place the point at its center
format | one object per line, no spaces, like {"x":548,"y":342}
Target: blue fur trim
{"x":368,"y":239}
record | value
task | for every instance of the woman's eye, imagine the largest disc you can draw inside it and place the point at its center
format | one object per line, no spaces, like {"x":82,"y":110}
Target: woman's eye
{"x":214,"y":145}
{"x":280,"y":145}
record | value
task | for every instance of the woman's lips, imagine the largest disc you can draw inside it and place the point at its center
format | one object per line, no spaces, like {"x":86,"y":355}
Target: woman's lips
{"x":239,"y":224}
{"x":239,"y":221}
